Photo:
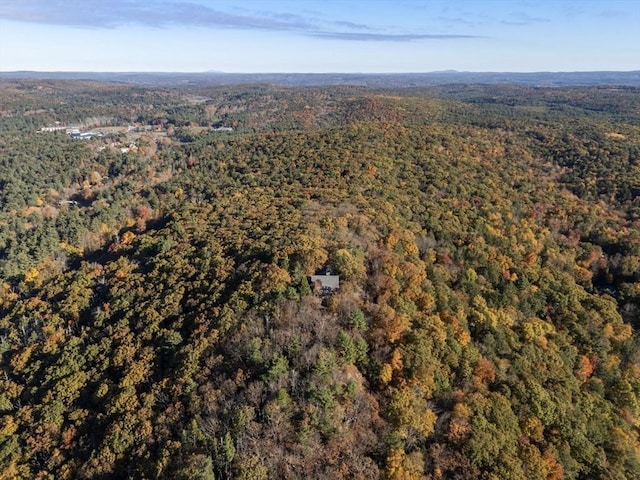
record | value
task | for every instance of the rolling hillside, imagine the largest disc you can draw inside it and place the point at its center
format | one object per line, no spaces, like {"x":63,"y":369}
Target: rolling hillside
{"x":156,"y":314}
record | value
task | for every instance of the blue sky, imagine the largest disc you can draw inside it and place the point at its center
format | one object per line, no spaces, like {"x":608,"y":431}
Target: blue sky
{"x":319,"y":35}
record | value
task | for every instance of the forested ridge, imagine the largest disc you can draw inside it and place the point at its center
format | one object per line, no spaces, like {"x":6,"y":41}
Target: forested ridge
{"x":156,"y":314}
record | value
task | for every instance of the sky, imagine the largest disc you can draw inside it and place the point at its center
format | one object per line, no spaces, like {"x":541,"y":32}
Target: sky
{"x":347,"y":36}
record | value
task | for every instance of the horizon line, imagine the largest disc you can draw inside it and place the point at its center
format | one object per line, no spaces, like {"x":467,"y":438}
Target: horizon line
{"x":220,"y":72}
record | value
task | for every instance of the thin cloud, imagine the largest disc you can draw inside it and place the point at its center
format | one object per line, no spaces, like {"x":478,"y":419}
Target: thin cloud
{"x":613,"y":14}
{"x":352,"y":25}
{"x":523,"y":19}
{"x":460,"y":21}
{"x":161,"y":14}
{"x":99,"y":14}
{"x":291,"y":20}
{"x":387,"y":37}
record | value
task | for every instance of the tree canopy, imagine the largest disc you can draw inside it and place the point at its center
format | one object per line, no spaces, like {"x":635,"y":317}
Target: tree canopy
{"x":156,"y":316}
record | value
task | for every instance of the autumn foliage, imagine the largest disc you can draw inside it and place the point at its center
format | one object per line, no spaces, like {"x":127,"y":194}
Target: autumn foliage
{"x":487,"y":241}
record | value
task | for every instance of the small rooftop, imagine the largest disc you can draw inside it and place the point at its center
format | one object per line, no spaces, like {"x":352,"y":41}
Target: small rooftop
{"x":324,"y":281}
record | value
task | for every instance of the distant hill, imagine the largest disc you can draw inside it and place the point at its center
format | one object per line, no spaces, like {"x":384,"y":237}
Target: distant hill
{"x":546,"y":79}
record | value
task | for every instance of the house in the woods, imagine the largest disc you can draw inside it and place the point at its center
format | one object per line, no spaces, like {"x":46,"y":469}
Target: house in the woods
{"x":324,"y":283}
{"x":84,"y":135}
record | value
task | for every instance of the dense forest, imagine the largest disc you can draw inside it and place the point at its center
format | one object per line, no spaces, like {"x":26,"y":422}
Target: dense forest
{"x":157,"y":318}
